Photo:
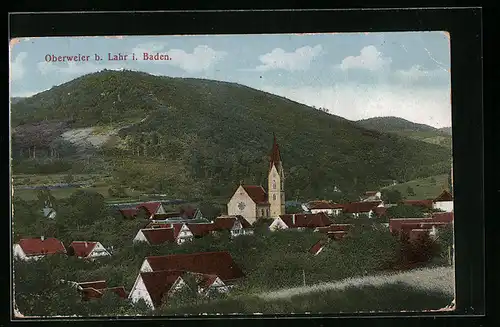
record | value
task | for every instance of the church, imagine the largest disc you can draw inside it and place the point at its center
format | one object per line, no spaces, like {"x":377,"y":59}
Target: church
{"x":253,"y":202}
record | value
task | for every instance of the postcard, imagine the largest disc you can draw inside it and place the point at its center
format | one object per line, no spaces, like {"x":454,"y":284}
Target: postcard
{"x":231,"y":174}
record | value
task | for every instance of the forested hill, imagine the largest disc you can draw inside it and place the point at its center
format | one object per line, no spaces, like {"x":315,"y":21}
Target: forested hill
{"x":193,"y":137}
{"x":403,"y":127}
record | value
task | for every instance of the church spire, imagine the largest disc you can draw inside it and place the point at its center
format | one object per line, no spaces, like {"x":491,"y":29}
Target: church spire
{"x":275,"y":157}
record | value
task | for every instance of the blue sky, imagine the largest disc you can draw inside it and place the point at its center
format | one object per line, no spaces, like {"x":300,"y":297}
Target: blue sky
{"x":354,"y":75}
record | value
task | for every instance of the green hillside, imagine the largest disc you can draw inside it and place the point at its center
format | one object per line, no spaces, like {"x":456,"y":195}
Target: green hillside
{"x":199,"y":138}
{"x":423,"y":188}
{"x":403,"y":127}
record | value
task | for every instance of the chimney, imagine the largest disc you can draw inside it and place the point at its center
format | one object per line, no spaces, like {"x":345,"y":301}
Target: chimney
{"x":85,"y":243}
{"x":293,"y":219}
{"x":42,"y":238}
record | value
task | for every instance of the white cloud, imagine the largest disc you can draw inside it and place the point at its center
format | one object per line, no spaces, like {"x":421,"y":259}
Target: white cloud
{"x":201,"y":59}
{"x":148,"y":47}
{"x":370,"y":59}
{"x":300,"y":59}
{"x":357,"y":101}
{"x":17,"y":68}
{"x":416,"y":73}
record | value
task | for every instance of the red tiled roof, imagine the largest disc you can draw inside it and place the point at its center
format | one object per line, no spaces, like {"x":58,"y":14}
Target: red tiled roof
{"x":157,"y":225}
{"x":360,"y":207}
{"x":158,"y":283}
{"x":419,"y":203}
{"x":82,"y":248}
{"x":167,"y":215}
{"x":444,"y":196}
{"x":416,"y":225}
{"x":157,"y":236}
{"x":318,"y":246}
{"x":395,"y":224}
{"x":216,"y":263}
{"x":35,"y":246}
{"x":256,"y":193}
{"x":151,"y":207}
{"x":93,"y":293}
{"x":275,"y":156}
{"x":199,"y":230}
{"x":308,"y":220}
{"x":335,"y":228}
{"x":128,"y":212}
{"x":443,"y":216}
{"x":100,"y":284}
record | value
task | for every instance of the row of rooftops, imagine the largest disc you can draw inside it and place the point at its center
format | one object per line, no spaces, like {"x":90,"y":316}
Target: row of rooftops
{"x":42,"y":246}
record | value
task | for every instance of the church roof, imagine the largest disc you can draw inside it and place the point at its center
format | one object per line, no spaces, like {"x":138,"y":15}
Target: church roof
{"x":275,"y":157}
{"x":256,"y":193}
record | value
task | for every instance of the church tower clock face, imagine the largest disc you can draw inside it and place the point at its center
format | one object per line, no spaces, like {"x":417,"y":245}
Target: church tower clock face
{"x":241,"y":206}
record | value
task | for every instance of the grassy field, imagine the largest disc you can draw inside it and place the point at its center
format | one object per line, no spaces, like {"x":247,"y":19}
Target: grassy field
{"x":424,"y":188}
{"x":386,"y":298}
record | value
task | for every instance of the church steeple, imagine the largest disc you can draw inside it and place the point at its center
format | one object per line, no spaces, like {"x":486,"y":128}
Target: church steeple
{"x":276,"y":182}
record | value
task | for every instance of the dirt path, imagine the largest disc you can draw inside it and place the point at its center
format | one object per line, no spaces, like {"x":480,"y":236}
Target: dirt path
{"x":437,"y":279}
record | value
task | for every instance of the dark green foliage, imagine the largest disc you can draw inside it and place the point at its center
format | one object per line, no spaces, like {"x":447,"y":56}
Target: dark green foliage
{"x":202,"y":137}
{"x":389,"y":298}
{"x":391,"y":196}
{"x":410,"y":191}
{"x":293,"y":209}
{"x":405,"y":211}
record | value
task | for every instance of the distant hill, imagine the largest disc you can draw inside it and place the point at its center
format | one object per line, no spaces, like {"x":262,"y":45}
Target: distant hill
{"x":410,"y":129}
{"x":194,"y":138}
{"x":15,"y":99}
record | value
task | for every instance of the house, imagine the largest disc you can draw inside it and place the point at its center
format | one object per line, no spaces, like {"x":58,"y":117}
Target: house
{"x":425,"y":204}
{"x":414,"y":227}
{"x":36,"y":248}
{"x":300,"y":221}
{"x":253,"y":202}
{"x":212,"y":263}
{"x":96,"y":289}
{"x":444,"y":202}
{"x":237,"y":225}
{"x":175,"y":233}
{"x":356,"y":209}
{"x":326,"y":207}
{"x":128,"y":213}
{"x":156,"y":287}
{"x":446,"y":217}
{"x":150,"y":209}
{"x":201,"y":229}
{"x":371,"y":196}
{"x":86,"y":249}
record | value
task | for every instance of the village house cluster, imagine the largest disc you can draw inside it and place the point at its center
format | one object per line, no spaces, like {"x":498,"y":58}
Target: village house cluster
{"x":160,"y":277}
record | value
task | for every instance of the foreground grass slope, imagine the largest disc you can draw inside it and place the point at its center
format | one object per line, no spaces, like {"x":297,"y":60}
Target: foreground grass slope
{"x":193,"y":136}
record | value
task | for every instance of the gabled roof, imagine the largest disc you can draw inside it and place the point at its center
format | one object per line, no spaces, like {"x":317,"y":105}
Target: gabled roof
{"x":93,"y":293}
{"x":37,"y":246}
{"x":98,"y":284}
{"x":83,"y":248}
{"x":444,"y":196}
{"x":256,"y":193}
{"x":151,"y":207}
{"x":227,"y":222}
{"x":396,"y":224}
{"x":361,"y":207}
{"x":306,"y":220}
{"x":199,"y":230}
{"x":443,"y":216}
{"x":418,"y":203}
{"x":215,"y":263}
{"x":157,"y":236}
{"x":158,"y":283}
{"x":157,"y":225}
{"x":275,"y":156}
{"x":128,"y":212}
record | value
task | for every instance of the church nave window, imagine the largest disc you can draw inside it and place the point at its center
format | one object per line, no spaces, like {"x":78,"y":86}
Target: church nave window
{"x":274,"y":184}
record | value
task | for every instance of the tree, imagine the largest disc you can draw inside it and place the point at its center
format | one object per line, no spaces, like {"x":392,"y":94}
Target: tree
{"x":405,"y":211}
{"x":296,"y":208}
{"x":410,"y":191}
{"x":391,"y":196}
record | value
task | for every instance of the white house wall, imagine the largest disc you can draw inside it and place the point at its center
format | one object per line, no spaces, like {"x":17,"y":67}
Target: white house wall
{"x":327,"y":211}
{"x":444,"y":205}
{"x":145,"y":267}
{"x":140,"y":237}
{"x":18,"y":252}
{"x":139,"y":291}
{"x":277,"y":224}
{"x":99,"y":251}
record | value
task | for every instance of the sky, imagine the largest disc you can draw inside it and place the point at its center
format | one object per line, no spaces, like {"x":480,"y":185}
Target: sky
{"x":353,"y":75}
